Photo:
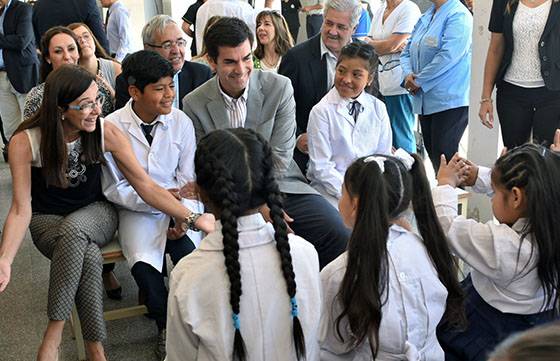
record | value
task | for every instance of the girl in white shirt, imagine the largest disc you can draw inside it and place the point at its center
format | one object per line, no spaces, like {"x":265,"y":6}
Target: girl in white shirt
{"x":347,"y":123}
{"x":384,"y":297}
{"x":515,"y":278}
{"x":234,"y":298}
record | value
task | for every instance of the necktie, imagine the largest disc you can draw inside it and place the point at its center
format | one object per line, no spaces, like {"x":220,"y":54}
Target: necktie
{"x":354,"y":109}
{"x":147,"y":130}
{"x":107,"y":19}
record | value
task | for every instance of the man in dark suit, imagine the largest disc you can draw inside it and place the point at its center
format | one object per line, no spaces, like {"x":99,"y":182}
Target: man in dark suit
{"x":310,"y":65}
{"x":162,"y":35}
{"x":49,"y":13}
{"x":241,"y":96}
{"x":18,"y":61}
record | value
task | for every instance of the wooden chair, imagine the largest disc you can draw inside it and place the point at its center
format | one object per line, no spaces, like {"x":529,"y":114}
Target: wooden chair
{"x":111,"y":253}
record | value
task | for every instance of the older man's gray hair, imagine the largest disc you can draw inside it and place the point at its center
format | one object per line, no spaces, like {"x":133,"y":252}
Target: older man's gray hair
{"x":156,"y":24}
{"x":353,"y":6}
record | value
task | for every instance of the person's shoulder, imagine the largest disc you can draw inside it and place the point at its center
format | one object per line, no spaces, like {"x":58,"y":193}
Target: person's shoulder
{"x":334,"y":271}
{"x":194,"y":68}
{"x":304,"y":49}
{"x":20,"y":6}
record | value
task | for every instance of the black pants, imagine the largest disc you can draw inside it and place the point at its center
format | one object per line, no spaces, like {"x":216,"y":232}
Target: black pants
{"x":151,"y":281}
{"x":486,"y":328}
{"x":313,"y":25}
{"x":524,"y":109}
{"x":318,"y":223}
{"x":442,"y":132}
{"x":292,"y":18}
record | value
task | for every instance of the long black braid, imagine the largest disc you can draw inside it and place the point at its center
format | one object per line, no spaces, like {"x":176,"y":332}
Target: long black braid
{"x":246,"y":183}
{"x":274,"y":202}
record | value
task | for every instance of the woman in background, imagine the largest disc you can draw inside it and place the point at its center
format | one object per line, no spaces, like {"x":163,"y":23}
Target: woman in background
{"x":273,"y":40}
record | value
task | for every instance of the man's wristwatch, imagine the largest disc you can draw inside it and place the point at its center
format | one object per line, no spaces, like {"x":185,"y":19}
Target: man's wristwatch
{"x":191,"y":219}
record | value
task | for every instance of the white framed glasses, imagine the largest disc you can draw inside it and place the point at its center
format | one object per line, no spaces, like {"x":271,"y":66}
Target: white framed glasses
{"x":89,"y":105}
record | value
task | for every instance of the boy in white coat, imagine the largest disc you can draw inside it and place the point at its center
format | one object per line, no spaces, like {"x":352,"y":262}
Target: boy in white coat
{"x":163,"y":140}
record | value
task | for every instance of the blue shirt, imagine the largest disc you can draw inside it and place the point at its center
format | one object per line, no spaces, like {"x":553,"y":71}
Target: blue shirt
{"x":439,"y":54}
{"x":364,"y":25}
{"x":118,"y":27}
{"x":2,"y":65}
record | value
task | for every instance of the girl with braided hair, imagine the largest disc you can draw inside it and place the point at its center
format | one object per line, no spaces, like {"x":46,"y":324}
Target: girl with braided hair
{"x":514,"y":282}
{"x":235,"y":297}
{"x":384,"y":297}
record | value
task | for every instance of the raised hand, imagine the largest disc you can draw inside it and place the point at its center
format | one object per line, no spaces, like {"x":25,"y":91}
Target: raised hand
{"x":453,"y":172}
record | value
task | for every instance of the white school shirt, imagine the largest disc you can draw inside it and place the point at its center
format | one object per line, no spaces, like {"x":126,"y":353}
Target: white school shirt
{"x":118,"y":30}
{"x":401,"y":21}
{"x":199,"y":316}
{"x":416,"y":303}
{"x":232,"y":8}
{"x":503,"y":274}
{"x":335,"y":141}
{"x":169,"y":161}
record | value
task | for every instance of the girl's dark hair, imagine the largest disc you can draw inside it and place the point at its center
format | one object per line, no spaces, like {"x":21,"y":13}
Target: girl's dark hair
{"x":100,"y":52}
{"x":46,"y":67}
{"x":234,"y":168}
{"x":362,"y":50}
{"x":63,"y":86}
{"x":536,"y":170}
{"x":226,"y":31}
{"x":145,"y":67}
{"x":283,"y":40}
{"x":382,"y":197}
{"x":541,"y":343}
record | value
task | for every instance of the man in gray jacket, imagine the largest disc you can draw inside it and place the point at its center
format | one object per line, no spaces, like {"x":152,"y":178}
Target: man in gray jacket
{"x":263,"y":101}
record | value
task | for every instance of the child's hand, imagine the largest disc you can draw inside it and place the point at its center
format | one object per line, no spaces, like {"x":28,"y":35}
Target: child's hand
{"x":555,"y":146}
{"x":470,"y":173}
{"x":176,"y":232}
{"x":452,"y":173}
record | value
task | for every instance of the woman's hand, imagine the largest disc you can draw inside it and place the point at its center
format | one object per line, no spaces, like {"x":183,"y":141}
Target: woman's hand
{"x":410,"y":84}
{"x":106,"y":85}
{"x":452,"y":173}
{"x":5,"y":272}
{"x":555,"y":146}
{"x":486,"y":114}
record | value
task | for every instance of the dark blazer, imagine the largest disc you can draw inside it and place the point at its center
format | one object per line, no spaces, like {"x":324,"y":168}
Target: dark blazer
{"x":18,"y":47}
{"x":191,"y":76}
{"x":549,"y":43}
{"x":308,"y":74}
{"x":49,"y":13}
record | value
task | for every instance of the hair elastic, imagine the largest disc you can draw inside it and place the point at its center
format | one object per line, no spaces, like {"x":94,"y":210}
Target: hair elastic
{"x":235,"y":318}
{"x":405,"y":158}
{"x":377,"y":159}
{"x":294,"y":307}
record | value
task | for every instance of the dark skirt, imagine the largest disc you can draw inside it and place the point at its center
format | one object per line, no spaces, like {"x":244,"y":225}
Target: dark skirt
{"x":487,"y":327}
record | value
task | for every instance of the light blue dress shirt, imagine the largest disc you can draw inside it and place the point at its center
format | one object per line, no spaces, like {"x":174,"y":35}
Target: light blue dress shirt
{"x":439,"y":54}
{"x":118,"y":28}
{"x":2,"y":65}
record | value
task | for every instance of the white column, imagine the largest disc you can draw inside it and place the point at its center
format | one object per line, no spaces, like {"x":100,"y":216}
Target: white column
{"x":483,"y":142}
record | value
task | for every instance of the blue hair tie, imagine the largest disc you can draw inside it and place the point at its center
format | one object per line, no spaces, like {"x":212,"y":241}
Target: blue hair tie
{"x":235,"y":318}
{"x":294,"y":307}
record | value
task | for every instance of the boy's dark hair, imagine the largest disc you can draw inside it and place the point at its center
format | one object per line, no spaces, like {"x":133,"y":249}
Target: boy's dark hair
{"x":234,"y":168}
{"x":227,"y":31}
{"x":541,"y":343}
{"x":145,"y":67}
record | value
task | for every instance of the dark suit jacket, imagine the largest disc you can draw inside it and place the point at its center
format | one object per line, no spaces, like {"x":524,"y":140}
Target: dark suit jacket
{"x":49,"y":13}
{"x":18,"y":47}
{"x":191,"y":76}
{"x":308,"y":74}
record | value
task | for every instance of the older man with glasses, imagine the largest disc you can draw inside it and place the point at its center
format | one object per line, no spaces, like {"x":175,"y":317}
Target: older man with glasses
{"x":162,"y":35}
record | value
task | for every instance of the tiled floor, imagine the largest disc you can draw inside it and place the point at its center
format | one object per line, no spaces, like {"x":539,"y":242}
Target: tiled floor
{"x":23,"y":306}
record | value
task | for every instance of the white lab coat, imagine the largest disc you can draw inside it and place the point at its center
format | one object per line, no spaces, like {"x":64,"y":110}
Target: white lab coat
{"x":169,"y":162}
{"x":415,"y":305}
{"x":335,"y":141}
{"x":199,"y":316}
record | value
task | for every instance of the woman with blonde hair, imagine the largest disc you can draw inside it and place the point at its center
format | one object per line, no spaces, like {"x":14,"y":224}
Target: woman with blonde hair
{"x":273,"y":40}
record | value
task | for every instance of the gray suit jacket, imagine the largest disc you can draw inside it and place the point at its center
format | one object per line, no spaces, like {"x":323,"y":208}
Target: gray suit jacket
{"x":270,"y":112}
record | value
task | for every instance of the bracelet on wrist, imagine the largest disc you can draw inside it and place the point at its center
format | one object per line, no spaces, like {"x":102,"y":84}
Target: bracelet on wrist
{"x":486,"y":100}
{"x":190,"y":221}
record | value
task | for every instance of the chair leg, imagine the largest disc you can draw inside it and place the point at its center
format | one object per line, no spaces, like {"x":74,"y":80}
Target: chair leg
{"x":77,"y":334}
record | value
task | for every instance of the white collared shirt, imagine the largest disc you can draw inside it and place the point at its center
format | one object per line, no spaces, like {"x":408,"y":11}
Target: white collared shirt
{"x":236,"y":108}
{"x":335,"y":141}
{"x":331,"y":63}
{"x":199,"y":316}
{"x":232,"y":8}
{"x":504,"y":269}
{"x":415,"y":305}
{"x":176,"y":100}
{"x":118,"y":29}
{"x":169,"y":161}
